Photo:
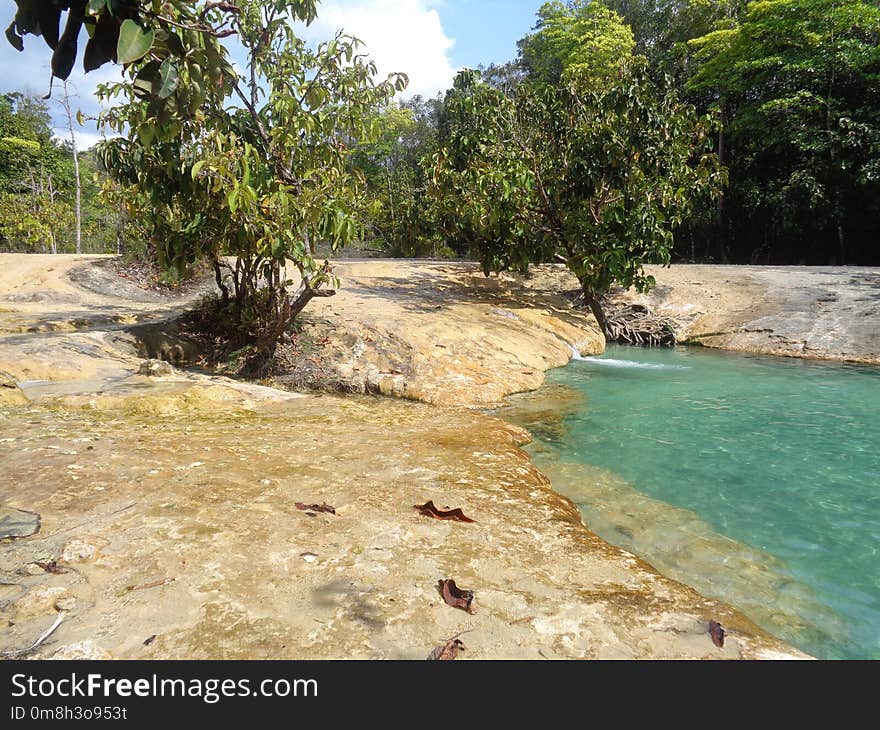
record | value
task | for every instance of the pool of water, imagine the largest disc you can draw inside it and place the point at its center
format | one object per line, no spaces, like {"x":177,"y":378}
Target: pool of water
{"x":754,"y":479}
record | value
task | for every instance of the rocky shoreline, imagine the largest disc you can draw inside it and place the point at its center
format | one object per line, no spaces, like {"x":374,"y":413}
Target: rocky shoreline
{"x":169,"y":510}
{"x":819,"y":313}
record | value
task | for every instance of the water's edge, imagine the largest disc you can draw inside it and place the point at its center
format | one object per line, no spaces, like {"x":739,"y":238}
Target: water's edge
{"x":677,"y":542}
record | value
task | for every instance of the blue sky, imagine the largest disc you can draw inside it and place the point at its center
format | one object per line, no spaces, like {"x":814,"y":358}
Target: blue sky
{"x":427,"y":39}
{"x":486,"y":30}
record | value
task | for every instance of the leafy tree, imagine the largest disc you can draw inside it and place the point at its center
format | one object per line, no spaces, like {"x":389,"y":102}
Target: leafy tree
{"x":800,"y":77}
{"x":37,"y":217}
{"x":581,"y":37}
{"x":397,"y":208}
{"x":254,"y":166}
{"x":504,"y":76}
{"x":593,"y":177}
{"x":26,"y":142}
{"x":35,"y":177}
{"x":662,"y":28}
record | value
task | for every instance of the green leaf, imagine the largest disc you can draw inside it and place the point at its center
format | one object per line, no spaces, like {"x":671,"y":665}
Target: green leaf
{"x":134,"y":42}
{"x":168,"y":78}
{"x":146,"y":133}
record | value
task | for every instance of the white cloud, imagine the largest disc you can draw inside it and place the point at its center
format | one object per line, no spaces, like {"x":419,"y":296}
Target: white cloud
{"x":399,"y":35}
{"x":85,"y":138}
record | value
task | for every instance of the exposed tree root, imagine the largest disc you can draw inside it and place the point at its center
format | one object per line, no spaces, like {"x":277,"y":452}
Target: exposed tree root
{"x":634,"y":324}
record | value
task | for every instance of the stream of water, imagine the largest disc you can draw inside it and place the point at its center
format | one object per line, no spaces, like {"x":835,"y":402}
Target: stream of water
{"x":754,"y":479}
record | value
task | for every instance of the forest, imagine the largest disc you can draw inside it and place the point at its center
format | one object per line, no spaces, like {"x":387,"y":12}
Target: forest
{"x":620,"y":133}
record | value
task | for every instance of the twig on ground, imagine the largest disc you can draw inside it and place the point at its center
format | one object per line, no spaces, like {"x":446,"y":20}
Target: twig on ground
{"x":38,"y":642}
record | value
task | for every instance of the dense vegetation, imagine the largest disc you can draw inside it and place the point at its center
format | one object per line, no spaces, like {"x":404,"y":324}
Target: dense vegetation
{"x":793,"y":87}
{"x":38,"y":186}
{"x":624,"y":132}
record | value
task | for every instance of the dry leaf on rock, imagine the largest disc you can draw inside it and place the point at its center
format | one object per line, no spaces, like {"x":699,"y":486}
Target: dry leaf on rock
{"x":448,"y":652}
{"x":455,"y":596}
{"x":316,"y":508}
{"x":51,"y":567}
{"x":430,"y":510}
{"x":716,"y":632}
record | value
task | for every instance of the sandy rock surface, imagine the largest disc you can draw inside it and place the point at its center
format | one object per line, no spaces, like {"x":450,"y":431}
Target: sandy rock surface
{"x":439,"y":333}
{"x":168,"y":505}
{"x":815,"y":312}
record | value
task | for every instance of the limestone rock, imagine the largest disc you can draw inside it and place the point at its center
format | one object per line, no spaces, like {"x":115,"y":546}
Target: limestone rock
{"x":18,"y":523}
{"x":79,"y":551}
{"x":66,"y":604}
{"x":82,"y":650}
{"x":10,"y":393}
{"x":41,"y":600}
{"x":156,"y":369}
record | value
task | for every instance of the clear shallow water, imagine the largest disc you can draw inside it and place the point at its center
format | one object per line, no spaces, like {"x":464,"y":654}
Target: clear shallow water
{"x":754,"y":479}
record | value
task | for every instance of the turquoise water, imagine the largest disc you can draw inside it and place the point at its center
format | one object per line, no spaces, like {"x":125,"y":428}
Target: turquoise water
{"x":754,"y":478}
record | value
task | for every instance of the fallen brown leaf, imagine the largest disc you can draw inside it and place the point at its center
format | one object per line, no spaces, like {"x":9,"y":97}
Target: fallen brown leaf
{"x":430,"y":510}
{"x":51,"y":567}
{"x":716,"y":632}
{"x":316,"y":508}
{"x":455,"y":596}
{"x":448,"y":652}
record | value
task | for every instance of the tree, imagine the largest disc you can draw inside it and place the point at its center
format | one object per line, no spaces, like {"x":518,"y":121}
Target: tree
{"x":397,"y":209}
{"x":596,"y":178}
{"x":35,"y":177}
{"x":68,"y":111}
{"x":581,"y":37}
{"x":800,"y":77}
{"x":254,"y":166}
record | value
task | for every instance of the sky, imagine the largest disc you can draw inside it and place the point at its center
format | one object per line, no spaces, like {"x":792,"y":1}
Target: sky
{"x":429,"y":40}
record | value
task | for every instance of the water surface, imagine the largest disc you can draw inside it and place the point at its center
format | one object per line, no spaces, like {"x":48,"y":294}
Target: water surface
{"x":754,"y":479}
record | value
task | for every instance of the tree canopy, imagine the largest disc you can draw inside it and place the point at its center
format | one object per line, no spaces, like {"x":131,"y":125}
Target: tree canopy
{"x":801,"y":77}
{"x":582,"y":38}
{"x":213,"y":163}
{"x":795,"y":84}
{"x":594,"y":177}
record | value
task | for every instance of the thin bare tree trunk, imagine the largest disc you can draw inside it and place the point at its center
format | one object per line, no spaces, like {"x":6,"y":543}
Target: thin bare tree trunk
{"x":720,"y":211}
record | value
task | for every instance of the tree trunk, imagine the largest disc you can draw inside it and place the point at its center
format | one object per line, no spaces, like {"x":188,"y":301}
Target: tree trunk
{"x":218,"y":277}
{"x":598,"y":312}
{"x":720,"y":211}
{"x":66,"y":104}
